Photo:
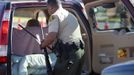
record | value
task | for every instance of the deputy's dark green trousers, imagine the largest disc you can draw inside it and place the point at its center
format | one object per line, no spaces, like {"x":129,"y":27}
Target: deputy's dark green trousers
{"x":63,"y":67}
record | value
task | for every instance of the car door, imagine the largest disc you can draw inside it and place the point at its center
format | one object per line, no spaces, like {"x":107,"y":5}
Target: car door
{"x":112,"y":33}
{"x":74,"y":8}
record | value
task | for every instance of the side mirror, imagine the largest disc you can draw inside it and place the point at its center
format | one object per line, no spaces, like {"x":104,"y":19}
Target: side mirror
{"x":108,"y":5}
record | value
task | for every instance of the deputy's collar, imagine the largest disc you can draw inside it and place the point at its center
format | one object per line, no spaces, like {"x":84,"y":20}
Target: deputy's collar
{"x":58,"y":10}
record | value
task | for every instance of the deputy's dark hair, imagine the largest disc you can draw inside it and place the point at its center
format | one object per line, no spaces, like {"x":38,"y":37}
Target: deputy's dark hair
{"x":54,"y":2}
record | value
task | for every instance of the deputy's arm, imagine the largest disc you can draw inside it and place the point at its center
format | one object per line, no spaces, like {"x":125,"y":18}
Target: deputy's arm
{"x":53,"y":27}
{"x":49,"y":39}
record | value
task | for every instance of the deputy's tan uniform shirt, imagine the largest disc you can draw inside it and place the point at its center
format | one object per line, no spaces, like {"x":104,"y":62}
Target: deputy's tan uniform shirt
{"x":66,"y":25}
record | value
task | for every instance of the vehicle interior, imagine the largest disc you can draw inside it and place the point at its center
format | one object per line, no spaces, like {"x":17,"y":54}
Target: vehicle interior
{"x":112,"y":33}
{"x":20,"y":37}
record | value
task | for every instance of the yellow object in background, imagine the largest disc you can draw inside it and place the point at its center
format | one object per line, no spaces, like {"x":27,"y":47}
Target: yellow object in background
{"x":122,"y":53}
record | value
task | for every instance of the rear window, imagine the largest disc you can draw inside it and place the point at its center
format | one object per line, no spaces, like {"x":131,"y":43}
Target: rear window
{"x":22,"y":15}
{"x":114,"y":18}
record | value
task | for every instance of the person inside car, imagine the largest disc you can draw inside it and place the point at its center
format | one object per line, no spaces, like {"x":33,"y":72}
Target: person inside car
{"x":24,"y":44}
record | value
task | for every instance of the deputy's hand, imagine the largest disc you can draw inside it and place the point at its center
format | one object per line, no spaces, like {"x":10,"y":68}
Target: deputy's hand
{"x":48,"y":40}
{"x":42,"y":44}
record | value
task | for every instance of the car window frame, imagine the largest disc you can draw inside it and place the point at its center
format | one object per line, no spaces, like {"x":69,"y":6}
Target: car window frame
{"x":129,"y":6}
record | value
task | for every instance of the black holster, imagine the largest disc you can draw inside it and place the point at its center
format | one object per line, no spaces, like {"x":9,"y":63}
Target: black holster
{"x":64,"y":50}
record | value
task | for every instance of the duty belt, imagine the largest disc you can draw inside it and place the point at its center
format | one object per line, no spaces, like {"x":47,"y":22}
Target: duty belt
{"x":60,"y":47}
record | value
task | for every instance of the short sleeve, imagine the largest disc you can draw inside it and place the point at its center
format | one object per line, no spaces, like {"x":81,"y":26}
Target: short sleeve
{"x":53,"y":25}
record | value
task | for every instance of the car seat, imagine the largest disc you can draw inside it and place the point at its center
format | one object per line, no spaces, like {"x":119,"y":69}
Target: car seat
{"x":26,"y":53}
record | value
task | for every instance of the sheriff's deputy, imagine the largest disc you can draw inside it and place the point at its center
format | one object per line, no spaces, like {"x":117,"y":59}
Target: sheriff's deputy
{"x":63,"y":27}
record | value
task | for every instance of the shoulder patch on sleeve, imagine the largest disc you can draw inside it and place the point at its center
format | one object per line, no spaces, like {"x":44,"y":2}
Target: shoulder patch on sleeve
{"x":52,"y":18}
